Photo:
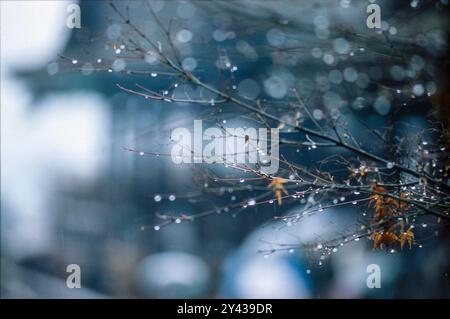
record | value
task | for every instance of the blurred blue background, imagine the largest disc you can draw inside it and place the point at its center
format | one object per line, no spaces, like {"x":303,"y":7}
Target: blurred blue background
{"x":70,"y":193}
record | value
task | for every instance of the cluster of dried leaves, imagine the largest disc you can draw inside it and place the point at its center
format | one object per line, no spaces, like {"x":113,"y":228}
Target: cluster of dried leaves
{"x":393,"y":210}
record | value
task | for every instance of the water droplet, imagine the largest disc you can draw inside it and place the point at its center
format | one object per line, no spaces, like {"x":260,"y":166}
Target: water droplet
{"x":141,"y":153}
{"x":241,"y":180}
{"x":74,"y":61}
{"x":308,"y":271}
{"x":177,"y":221}
{"x":172,"y":198}
{"x":251,"y":202}
{"x":291,"y":251}
{"x":156,"y":228}
{"x":153,"y":74}
{"x":157,"y":198}
{"x":99,"y":60}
